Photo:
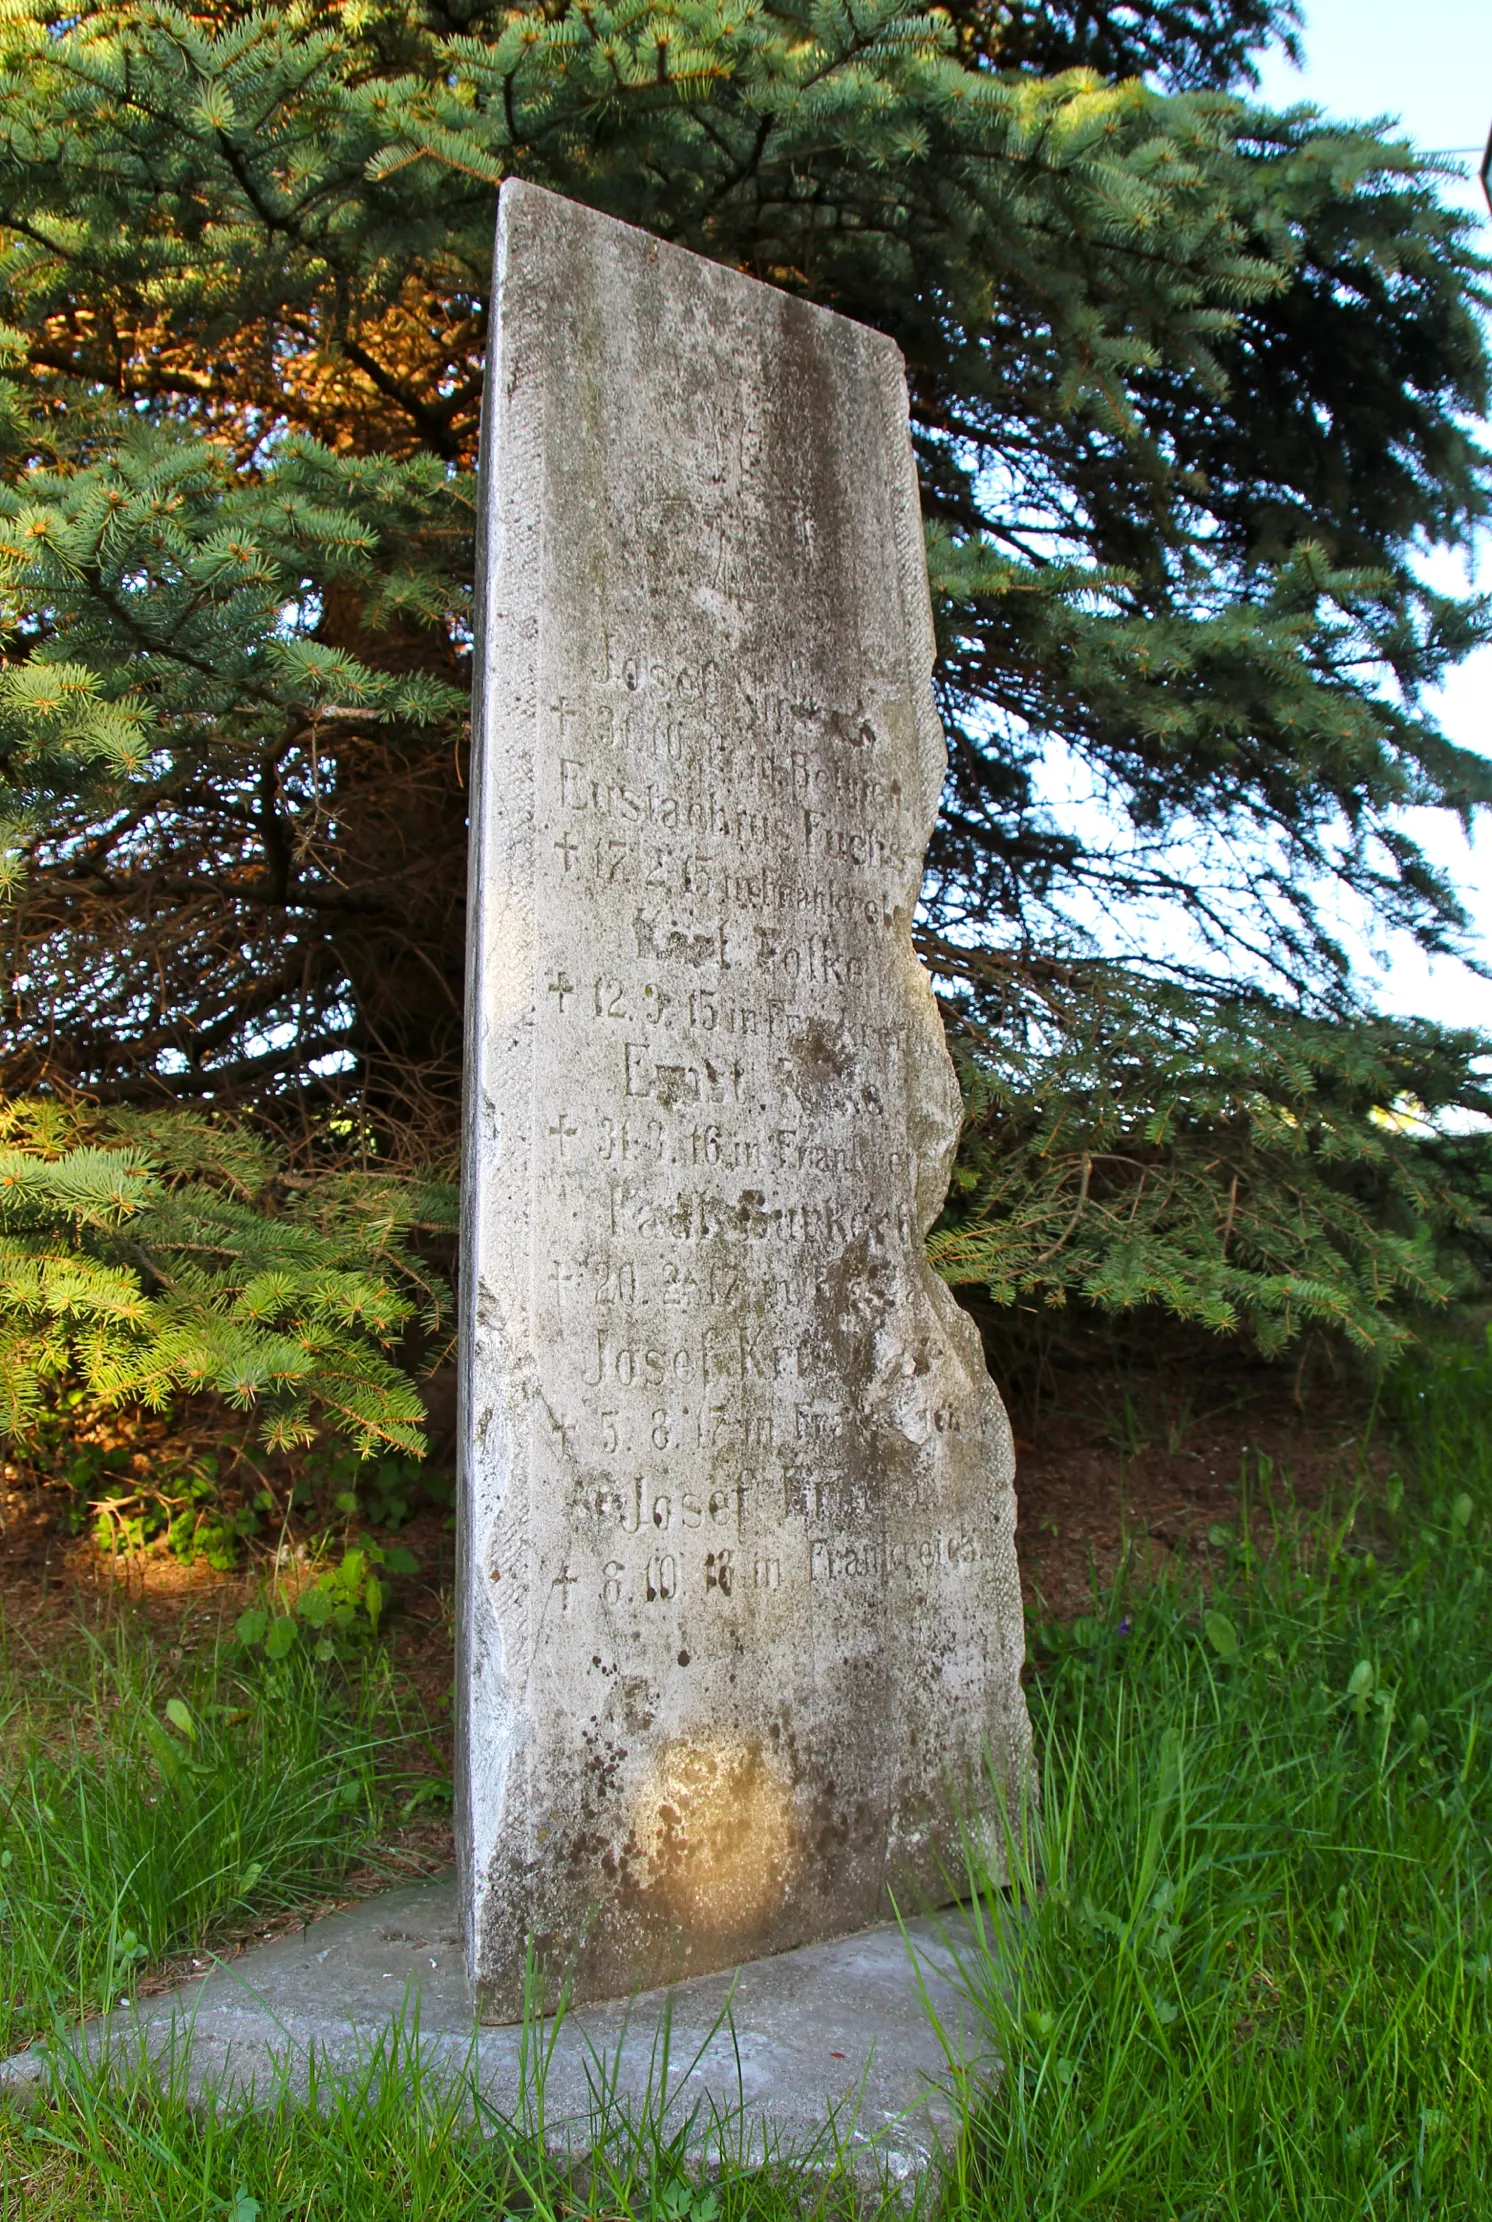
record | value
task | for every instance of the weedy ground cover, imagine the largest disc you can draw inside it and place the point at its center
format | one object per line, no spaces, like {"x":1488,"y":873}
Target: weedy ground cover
{"x":1243,"y":1972}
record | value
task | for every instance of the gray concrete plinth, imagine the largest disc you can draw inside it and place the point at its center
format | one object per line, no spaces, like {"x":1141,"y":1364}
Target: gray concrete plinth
{"x":829,"y":2045}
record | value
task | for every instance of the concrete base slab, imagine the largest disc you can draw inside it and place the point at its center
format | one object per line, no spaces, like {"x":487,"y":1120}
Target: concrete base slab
{"x":833,"y":2047}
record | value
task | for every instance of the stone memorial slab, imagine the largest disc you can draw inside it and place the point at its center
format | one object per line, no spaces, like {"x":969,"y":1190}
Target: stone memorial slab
{"x":740,"y":1631}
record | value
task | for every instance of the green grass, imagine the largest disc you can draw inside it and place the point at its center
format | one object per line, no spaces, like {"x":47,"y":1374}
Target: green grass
{"x":1257,"y":1980}
{"x":1245,"y":1974}
{"x":150,"y":1806}
{"x":387,"y":2144}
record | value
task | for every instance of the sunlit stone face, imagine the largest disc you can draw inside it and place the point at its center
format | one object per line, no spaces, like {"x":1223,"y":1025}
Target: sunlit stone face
{"x":739,"y":1619}
{"x":715,"y":1838}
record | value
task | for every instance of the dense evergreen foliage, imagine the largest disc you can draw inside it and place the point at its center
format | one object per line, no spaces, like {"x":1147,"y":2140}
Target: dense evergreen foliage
{"x":1132,"y":1146}
{"x":1194,"y":386}
{"x":147,"y":1257}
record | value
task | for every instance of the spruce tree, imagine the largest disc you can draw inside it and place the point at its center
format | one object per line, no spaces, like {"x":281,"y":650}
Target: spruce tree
{"x":1193,"y":386}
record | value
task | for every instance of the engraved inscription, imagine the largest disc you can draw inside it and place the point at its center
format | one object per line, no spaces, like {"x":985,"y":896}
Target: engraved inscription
{"x":740,"y":1636}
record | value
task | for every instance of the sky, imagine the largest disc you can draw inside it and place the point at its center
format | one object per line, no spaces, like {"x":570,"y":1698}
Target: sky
{"x":1429,"y":65}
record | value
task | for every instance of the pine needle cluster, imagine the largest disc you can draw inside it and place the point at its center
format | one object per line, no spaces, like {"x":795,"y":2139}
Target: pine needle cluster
{"x":147,"y":1256}
{"x":1134,"y":1148}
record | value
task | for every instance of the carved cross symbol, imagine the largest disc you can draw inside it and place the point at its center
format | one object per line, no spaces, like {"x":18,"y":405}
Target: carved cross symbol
{"x":564,"y":1582}
{"x":568,"y":849}
{"x":562,"y":985}
{"x":564,"y":1133}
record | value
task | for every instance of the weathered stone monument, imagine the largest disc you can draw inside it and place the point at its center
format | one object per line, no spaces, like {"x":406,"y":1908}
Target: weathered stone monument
{"x":739,"y":1621}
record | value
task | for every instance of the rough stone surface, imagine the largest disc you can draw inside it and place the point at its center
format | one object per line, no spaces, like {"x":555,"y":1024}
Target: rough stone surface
{"x":740,"y":1627}
{"x":830,"y":2044}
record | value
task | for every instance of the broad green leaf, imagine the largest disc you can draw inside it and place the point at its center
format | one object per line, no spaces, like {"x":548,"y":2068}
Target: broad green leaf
{"x":280,"y":1640}
{"x":1221,"y":1634}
